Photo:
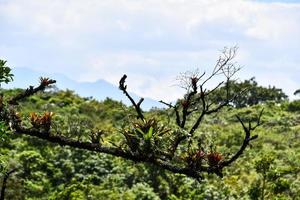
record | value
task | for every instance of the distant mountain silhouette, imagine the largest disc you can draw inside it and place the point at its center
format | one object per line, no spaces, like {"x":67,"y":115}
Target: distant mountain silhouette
{"x":99,"y":90}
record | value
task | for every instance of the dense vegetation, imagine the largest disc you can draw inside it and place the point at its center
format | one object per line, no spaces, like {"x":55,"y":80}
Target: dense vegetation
{"x":33,"y":168}
{"x":47,"y":171}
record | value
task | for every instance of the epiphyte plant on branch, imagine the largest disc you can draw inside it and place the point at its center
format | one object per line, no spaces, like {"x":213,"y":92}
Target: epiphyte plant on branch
{"x":145,"y":139}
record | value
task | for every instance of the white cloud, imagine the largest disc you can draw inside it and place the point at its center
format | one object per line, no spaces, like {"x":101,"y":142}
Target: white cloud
{"x":150,"y":40}
{"x":62,"y":18}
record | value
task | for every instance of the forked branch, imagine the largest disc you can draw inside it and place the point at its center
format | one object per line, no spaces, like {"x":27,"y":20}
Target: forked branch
{"x":247,"y":130}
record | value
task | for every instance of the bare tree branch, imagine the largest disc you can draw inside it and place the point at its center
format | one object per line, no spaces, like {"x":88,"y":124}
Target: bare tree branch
{"x":137,"y":107}
{"x":44,"y":82}
{"x":175,"y":109}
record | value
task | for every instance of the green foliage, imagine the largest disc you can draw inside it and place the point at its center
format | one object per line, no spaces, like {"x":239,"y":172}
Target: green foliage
{"x":4,"y":132}
{"x":145,"y":136}
{"x":3,"y":164}
{"x":142,"y":191}
{"x":274,"y":181}
{"x":72,"y":192}
{"x":5,"y":77}
{"x":263,"y":164}
{"x":252,"y":93}
{"x":294,"y":106}
{"x":5,"y":73}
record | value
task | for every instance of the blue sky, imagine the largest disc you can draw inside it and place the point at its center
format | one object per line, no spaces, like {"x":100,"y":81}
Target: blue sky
{"x":152,"y":40}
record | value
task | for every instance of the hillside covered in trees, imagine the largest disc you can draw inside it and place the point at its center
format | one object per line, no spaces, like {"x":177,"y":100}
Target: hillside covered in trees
{"x":137,"y":100}
{"x":237,"y":140}
{"x":270,"y":167}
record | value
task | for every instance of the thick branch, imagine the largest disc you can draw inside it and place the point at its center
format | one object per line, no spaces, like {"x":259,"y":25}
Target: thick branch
{"x":203,"y":112}
{"x":63,"y":141}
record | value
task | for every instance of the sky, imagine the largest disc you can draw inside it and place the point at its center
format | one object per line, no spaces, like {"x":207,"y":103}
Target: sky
{"x":152,"y":41}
